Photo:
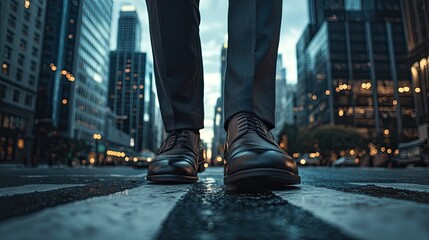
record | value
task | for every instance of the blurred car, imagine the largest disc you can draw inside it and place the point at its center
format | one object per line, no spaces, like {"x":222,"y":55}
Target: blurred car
{"x":412,"y":153}
{"x":346,"y":162}
{"x":142,"y":160}
{"x":308,"y":159}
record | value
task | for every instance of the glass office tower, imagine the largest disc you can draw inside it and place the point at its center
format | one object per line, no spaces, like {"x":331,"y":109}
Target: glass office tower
{"x":353,"y":69}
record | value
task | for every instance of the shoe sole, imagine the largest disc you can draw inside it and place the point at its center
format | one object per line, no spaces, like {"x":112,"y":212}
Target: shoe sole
{"x":171,"y":178}
{"x":263,"y":177}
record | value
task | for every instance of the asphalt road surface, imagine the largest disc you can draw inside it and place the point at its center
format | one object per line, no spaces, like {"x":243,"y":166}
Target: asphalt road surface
{"x":118,"y":203}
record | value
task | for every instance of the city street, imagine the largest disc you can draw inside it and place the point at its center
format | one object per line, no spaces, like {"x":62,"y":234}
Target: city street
{"x":114,"y":203}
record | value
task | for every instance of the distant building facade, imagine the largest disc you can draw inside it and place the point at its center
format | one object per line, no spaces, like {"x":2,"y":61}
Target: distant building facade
{"x":21,"y":35}
{"x":353,"y":69}
{"x":72,"y":91}
{"x":131,"y":95}
{"x":416,"y":21}
{"x":281,"y":95}
{"x":219,"y":133}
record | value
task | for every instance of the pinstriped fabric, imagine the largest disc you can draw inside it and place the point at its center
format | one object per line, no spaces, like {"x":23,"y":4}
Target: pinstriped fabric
{"x":174,"y":28}
{"x":253,"y":38}
{"x":253,"y":29}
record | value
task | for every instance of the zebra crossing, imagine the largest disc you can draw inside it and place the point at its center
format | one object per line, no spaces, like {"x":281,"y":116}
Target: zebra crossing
{"x":209,"y":210}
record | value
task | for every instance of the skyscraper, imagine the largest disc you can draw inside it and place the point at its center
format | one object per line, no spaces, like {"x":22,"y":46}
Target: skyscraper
{"x":280,"y":113}
{"x":416,"y":16}
{"x":219,"y":134}
{"x":131,"y":93}
{"x":74,"y":73}
{"x":353,"y":70}
{"x":21,"y":33}
{"x":129,"y":30}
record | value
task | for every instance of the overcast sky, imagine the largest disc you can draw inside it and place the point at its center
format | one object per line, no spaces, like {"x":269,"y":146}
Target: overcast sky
{"x":213,"y":29}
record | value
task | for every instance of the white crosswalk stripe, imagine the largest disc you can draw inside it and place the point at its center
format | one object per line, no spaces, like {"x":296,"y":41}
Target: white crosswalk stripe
{"x":401,"y":186}
{"x":362,"y":216}
{"x":30,"y":188}
{"x":133,"y":214}
{"x":139,"y":213}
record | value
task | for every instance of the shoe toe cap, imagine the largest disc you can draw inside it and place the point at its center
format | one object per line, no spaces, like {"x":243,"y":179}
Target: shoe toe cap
{"x":174,"y":166}
{"x":253,"y":159}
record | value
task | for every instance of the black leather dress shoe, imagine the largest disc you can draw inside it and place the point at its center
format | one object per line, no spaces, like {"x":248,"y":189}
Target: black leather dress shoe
{"x":179,"y":159}
{"x":254,"y":158}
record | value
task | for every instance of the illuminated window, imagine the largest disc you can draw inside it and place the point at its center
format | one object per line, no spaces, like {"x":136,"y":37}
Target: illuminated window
{"x":5,"y":69}
{"x":27,"y":4}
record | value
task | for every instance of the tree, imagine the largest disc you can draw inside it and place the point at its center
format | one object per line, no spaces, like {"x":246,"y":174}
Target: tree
{"x":326,"y":139}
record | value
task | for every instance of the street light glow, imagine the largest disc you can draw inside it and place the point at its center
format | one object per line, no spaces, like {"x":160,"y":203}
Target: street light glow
{"x":96,"y":136}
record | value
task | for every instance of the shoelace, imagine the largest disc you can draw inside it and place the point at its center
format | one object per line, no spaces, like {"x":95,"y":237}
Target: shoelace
{"x":247,"y":122}
{"x":250,"y":122}
{"x":175,"y":138}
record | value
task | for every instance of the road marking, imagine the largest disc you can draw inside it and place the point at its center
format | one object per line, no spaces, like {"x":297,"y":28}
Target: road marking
{"x":401,"y":186}
{"x":361,"y":216}
{"x":30,"y":188}
{"x":133,"y":214}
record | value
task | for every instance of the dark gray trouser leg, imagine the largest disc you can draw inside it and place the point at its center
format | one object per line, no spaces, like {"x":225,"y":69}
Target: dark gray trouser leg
{"x":174,"y":30}
{"x":253,"y":38}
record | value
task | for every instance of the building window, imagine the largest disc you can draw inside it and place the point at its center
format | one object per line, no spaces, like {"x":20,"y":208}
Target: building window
{"x":38,"y":24}
{"x":33,"y":66}
{"x":27,"y":4}
{"x":29,"y":100}
{"x":23,"y":45}
{"x":10,"y":36}
{"x":13,"y":6}
{"x":35,"y":52}
{"x":36,"y":37}
{"x":2,"y":91}
{"x":7,"y":53}
{"x":15,"y":97}
{"x":31,"y":80}
{"x":19,"y":74}
{"x":27,"y":15}
{"x":12,"y":20}
{"x":24,"y":30}
{"x":39,"y":11}
{"x":5,"y":69}
{"x":21,"y":59}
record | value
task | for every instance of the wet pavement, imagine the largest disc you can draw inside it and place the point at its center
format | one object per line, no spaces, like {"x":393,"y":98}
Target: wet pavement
{"x":112,"y":203}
